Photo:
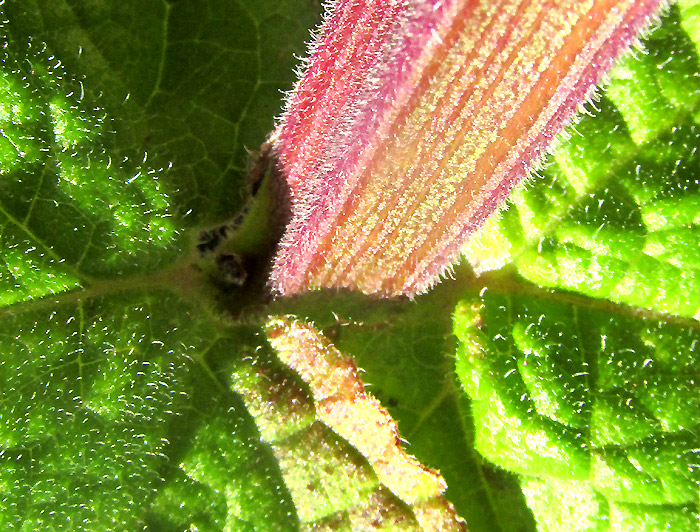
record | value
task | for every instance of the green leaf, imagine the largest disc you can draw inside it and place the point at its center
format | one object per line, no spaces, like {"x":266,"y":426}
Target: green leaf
{"x":597,"y":410}
{"x":585,"y":383}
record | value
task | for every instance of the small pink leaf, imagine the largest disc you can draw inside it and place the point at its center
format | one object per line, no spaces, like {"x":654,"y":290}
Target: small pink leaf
{"x":416,"y":118}
{"x":342,"y":404}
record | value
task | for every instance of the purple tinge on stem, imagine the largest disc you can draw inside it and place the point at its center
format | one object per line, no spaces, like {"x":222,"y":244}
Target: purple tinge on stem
{"x":415,"y":119}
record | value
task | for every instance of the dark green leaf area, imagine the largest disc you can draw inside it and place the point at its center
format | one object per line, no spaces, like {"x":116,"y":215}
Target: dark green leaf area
{"x":614,"y":215}
{"x":70,"y":209}
{"x":112,"y":420}
{"x":597,"y":409}
{"x":221,"y":475}
{"x":192,"y":84}
{"x":183,"y":502}
{"x":89,"y":391}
